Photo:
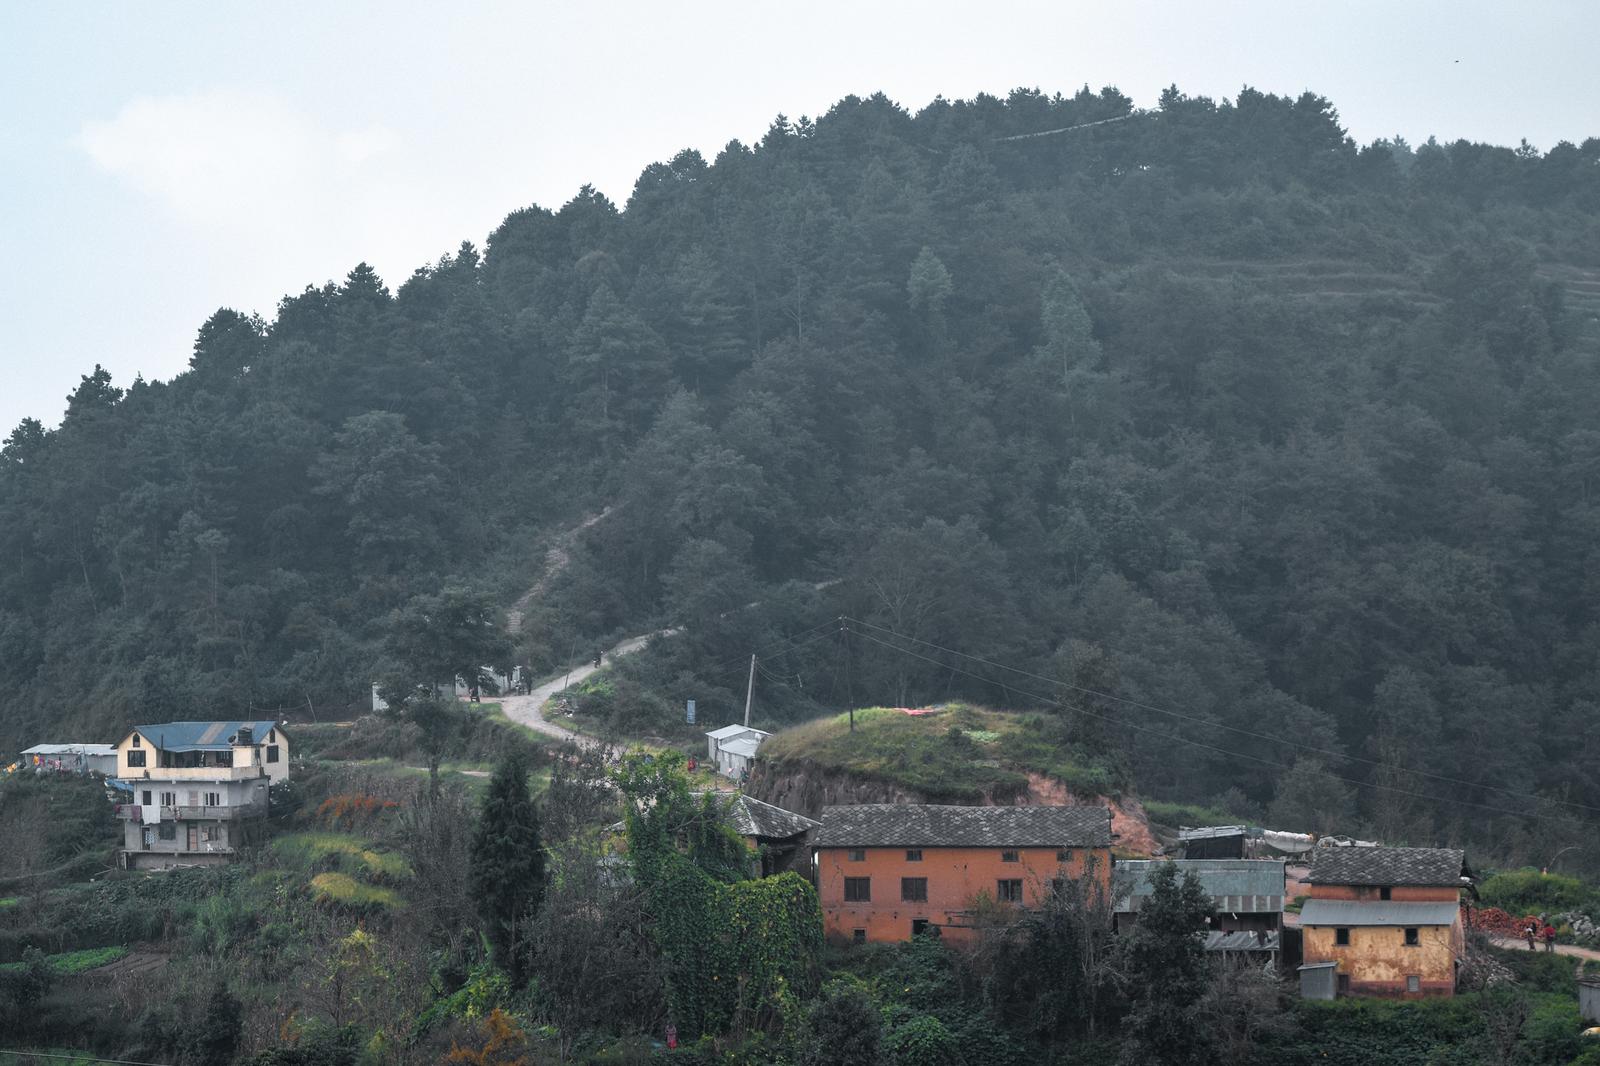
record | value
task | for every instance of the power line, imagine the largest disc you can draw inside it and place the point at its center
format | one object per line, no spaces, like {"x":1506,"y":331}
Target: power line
{"x":1200,"y":743}
{"x":1441,"y":778}
{"x":1069,"y":129}
{"x":80,"y":1057}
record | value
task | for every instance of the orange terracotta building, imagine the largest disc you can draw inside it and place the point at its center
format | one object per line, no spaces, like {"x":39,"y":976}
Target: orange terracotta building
{"x":888,"y":871}
{"x":1388,"y":920}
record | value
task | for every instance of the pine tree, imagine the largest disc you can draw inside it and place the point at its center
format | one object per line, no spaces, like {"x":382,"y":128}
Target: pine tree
{"x":507,"y":874}
{"x":1167,"y":972}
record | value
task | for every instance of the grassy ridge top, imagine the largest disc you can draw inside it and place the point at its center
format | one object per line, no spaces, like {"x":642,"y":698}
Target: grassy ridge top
{"x":959,"y":752}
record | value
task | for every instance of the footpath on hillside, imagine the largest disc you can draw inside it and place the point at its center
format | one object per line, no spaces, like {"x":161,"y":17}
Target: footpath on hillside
{"x":525,"y":709}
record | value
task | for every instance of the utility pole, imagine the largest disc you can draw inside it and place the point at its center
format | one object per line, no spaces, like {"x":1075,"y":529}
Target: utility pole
{"x":749,"y":691}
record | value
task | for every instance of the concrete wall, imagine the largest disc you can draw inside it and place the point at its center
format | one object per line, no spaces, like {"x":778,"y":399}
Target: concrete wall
{"x":1378,"y":961}
{"x":954,"y":875}
{"x":1589,"y":1001}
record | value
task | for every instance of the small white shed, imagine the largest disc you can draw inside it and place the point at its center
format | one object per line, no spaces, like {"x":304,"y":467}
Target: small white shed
{"x":733,"y":748}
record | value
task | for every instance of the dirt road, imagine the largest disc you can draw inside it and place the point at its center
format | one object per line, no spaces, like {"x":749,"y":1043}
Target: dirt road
{"x":1515,"y":944}
{"x":525,"y":709}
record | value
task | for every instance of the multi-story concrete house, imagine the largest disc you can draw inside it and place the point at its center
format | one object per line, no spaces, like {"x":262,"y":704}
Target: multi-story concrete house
{"x":889,"y":871}
{"x":1387,"y":921}
{"x":199,"y":789}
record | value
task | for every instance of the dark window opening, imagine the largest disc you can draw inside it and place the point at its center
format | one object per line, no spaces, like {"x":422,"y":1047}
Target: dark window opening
{"x":272,"y":753}
{"x":913,"y":855}
{"x":858,"y":890}
{"x":1008,"y":856}
{"x":914,"y":889}
{"x":858,"y":936}
{"x":858,"y":854}
{"x":1385,"y":892}
{"x":919,"y":926}
{"x":167,"y":830}
{"x":1343,"y":984}
{"x":1412,"y":939}
{"x":135,"y":758}
{"x":1009,"y":890}
{"x":1064,"y":855}
{"x":1058,"y":886}
{"x":1341,"y":937}
{"x":146,"y":800}
{"x":136,"y":740}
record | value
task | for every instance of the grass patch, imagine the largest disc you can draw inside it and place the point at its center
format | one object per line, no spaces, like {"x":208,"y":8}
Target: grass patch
{"x":8,"y":901}
{"x":350,"y":852}
{"x":1531,"y":892}
{"x":1178,"y":815}
{"x":72,"y":963}
{"x":348,"y":892}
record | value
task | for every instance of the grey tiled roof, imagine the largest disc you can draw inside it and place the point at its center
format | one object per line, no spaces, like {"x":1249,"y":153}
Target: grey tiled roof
{"x":752,"y":818}
{"x":928,"y":826}
{"x":1437,"y":867}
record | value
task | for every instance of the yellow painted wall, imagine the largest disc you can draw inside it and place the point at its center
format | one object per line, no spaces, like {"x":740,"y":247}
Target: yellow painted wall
{"x":1378,"y":955}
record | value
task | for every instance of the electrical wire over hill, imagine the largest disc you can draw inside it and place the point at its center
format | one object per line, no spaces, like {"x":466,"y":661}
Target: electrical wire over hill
{"x":865,"y":633}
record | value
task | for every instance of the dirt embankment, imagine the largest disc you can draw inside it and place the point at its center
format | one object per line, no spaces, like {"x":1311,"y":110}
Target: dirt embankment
{"x":806,"y":788}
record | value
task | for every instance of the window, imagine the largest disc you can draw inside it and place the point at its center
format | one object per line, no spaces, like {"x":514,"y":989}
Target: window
{"x":213,"y":799}
{"x":913,"y":855}
{"x":914,"y":889}
{"x":1341,"y":937}
{"x":146,"y":800}
{"x":169,"y":799}
{"x":1064,"y":855}
{"x":1343,"y":984}
{"x":272,"y":753}
{"x":858,"y":854}
{"x":858,"y":936}
{"x":1385,"y":892}
{"x":135,"y":758}
{"x":1008,"y":890}
{"x":1413,"y":982}
{"x":211,"y":833}
{"x":136,"y":743}
{"x":167,"y":830}
{"x":919,"y":926}
{"x":858,"y":890}
{"x":1008,"y":856}
{"x":1411,"y":938}
{"x":1058,"y":885}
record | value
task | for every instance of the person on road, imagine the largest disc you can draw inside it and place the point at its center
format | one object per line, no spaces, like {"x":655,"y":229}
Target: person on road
{"x":1530,"y":931}
{"x":1549,"y":938}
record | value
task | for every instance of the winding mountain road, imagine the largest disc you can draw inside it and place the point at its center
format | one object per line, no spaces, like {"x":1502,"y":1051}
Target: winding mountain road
{"x":525,"y":709}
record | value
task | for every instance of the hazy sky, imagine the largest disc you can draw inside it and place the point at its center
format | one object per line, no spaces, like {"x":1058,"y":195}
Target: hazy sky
{"x":160,"y":160}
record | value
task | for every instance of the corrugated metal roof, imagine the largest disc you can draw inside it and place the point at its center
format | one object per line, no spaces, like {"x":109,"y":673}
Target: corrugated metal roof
{"x":1217,"y":940}
{"x":199,"y":736}
{"x":1430,"y":867}
{"x":732,"y":731}
{"x":1237,"y":885}
{"x":932,"y":826}
{"x":1376,"y":912}
{"x":746,"y":746}
{"x":71,"y":749}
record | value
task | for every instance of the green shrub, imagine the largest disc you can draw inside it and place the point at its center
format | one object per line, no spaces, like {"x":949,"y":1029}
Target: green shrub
{"x":1532,"y":892}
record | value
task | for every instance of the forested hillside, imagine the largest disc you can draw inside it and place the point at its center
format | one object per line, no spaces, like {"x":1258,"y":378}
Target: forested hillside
{"x":1207,"y":408}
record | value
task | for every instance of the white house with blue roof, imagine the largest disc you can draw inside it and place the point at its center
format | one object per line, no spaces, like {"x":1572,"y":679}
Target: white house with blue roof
{"x":199,"y":789}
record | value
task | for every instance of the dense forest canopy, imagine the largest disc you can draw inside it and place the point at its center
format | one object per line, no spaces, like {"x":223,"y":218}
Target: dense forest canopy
{"x":1207,"y":408}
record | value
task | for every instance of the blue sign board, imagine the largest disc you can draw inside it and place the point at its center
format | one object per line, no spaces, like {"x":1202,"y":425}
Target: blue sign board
{"x":689,"y":712}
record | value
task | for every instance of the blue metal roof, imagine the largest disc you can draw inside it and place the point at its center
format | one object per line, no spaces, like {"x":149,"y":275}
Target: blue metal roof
{"x":200,"y":736}
{"x":1235,"y":884}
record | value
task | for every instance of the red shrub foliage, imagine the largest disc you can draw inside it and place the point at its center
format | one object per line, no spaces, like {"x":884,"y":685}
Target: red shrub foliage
{"x":351,"y":808}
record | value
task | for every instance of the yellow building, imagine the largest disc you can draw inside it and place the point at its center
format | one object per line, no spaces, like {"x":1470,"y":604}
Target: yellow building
{"x":1387,"y":919}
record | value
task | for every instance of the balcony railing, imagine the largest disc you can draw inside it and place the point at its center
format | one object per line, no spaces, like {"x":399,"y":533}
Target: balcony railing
{"x":184,"y":813}
{"x":193,"y":773}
